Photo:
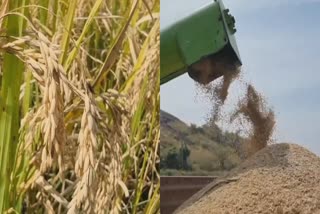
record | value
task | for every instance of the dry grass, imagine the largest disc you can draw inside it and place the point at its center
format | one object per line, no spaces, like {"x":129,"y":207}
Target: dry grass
{"x":89,"y":125}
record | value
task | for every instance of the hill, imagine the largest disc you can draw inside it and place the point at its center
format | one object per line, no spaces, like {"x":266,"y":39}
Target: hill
{"x":196,"y":150}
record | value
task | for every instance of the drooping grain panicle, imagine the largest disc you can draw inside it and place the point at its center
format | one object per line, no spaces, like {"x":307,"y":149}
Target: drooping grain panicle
{"x":86,"y":161}
{"x":53,"y":123}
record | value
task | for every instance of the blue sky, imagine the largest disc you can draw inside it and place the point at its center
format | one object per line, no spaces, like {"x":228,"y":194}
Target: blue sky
{"x":279,"y":46}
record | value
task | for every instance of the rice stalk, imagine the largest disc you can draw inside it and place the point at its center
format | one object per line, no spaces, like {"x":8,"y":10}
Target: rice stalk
{"x":11,"y":80}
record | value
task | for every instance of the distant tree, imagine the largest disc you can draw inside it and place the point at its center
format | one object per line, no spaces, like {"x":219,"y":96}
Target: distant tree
{"x":193,"y":128}
{"x":222,"y":155}
{"x":184,"y":156}
{"x":172,"y":160}
{"x":163,"y":164}
{"x":200,"y":130}
{"x":177,"y":159}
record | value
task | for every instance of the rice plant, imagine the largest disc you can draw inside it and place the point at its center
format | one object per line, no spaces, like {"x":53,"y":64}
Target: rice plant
{"x":79,"y":106}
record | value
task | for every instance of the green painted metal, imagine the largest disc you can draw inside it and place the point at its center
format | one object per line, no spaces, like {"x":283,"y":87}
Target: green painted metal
{"x":205,"y":32}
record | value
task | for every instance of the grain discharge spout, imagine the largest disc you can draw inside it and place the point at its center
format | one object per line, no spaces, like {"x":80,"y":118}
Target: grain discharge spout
{"x":202,"y":44}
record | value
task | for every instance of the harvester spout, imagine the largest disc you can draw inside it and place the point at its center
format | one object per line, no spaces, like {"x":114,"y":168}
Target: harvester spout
{"x":202,"y":44}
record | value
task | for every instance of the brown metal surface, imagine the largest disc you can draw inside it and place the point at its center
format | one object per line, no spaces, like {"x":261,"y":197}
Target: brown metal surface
{"x":177,"y":189}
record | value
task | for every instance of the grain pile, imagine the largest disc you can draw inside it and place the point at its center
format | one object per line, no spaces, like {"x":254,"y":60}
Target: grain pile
{"x":281,"y":178}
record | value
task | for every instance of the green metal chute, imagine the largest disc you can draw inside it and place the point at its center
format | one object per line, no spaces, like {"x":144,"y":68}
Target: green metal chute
{"x":208,"y":32}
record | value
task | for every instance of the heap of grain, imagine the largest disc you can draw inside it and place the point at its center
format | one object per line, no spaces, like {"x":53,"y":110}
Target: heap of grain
{"x":281,"y":178}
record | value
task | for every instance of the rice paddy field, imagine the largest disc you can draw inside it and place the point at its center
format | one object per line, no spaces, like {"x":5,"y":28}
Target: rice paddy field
{"x":79,"y":106}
